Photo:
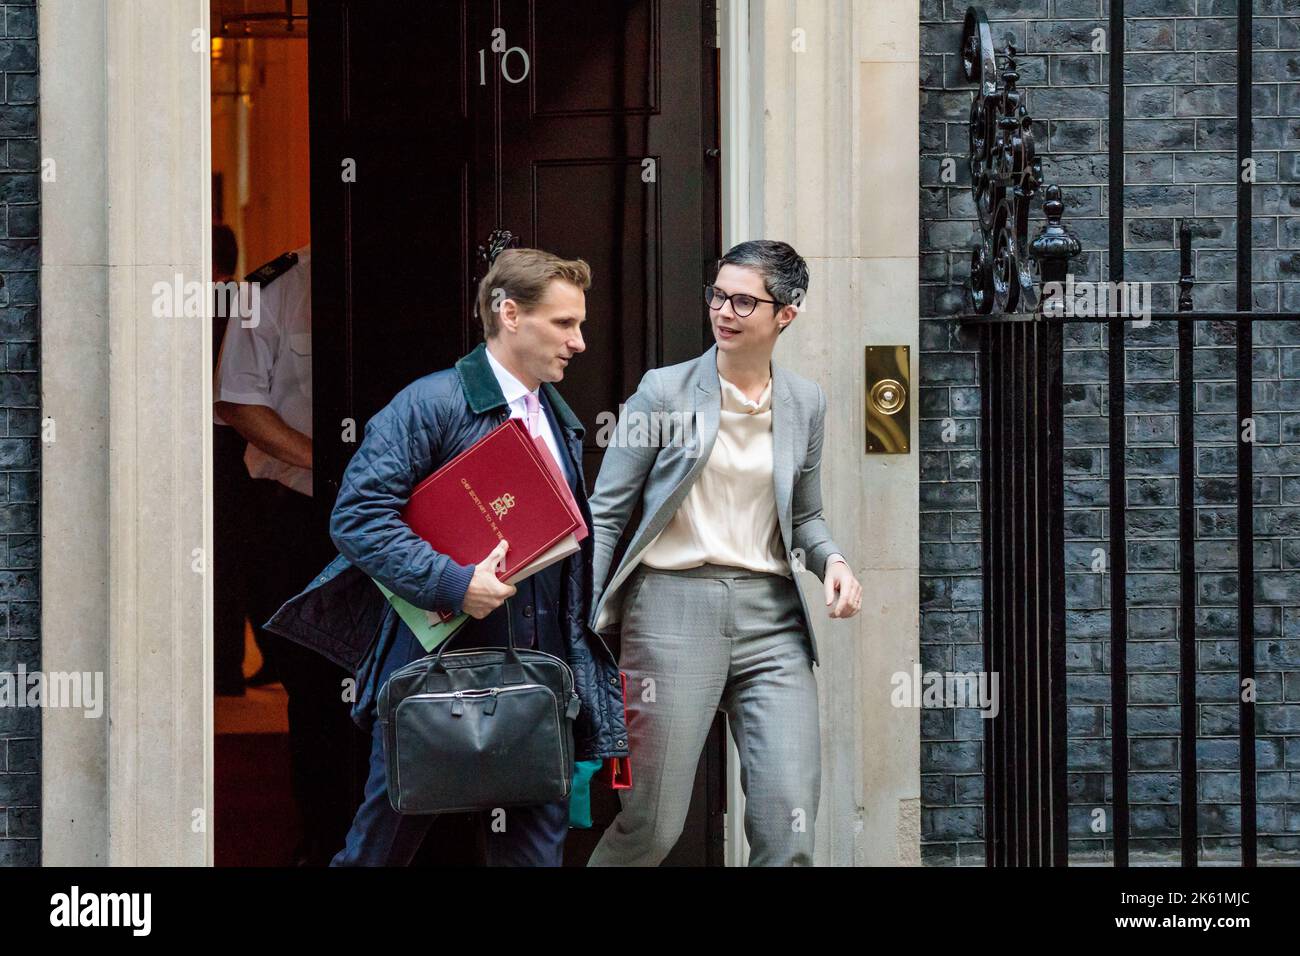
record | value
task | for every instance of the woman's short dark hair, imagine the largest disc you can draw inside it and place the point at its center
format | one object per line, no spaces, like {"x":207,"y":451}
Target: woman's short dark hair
{"x":784,"y":272}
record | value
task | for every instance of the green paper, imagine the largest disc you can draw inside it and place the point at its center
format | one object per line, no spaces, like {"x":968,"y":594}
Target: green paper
{"x":429,"y":635}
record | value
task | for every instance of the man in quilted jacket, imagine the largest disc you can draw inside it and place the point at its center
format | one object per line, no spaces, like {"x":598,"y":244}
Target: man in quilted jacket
{"x":532,"y":304}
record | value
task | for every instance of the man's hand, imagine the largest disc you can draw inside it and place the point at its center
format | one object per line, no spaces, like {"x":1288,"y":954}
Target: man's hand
{"x":486,"y":591}
{"x":840,"y":579}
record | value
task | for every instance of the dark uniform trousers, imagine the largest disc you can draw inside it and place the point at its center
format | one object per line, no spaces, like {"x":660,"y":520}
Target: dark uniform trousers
{"x":232,"y":550}
{"x":509,"y":836}
{"x":327,"y":750}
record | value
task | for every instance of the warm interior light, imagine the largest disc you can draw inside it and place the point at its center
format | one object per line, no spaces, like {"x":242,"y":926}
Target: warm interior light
{"x":218,"y":46}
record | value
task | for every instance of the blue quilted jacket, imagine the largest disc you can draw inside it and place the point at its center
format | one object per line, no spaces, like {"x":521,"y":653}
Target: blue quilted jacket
{"x":342,"y":615}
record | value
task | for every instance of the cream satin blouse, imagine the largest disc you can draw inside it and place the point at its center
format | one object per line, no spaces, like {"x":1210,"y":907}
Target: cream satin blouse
{"x":729,"y":515}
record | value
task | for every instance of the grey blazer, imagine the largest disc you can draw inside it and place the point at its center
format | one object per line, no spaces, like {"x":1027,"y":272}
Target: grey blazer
{"x":660,"y":472}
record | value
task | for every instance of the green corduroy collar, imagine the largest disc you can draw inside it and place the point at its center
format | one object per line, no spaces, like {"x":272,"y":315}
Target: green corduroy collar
{"x":484,"y":394}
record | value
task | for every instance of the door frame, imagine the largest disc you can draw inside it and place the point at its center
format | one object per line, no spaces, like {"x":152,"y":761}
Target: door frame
{"x":131,"y":398}
{"x":741,"y":165}
{"x":106,"y":237}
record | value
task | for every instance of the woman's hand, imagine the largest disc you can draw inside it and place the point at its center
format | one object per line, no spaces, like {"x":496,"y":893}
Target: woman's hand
{"x":840,"y":581}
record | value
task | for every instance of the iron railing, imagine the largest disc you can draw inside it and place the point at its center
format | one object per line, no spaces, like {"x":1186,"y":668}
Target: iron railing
{"x":1022,"y":481}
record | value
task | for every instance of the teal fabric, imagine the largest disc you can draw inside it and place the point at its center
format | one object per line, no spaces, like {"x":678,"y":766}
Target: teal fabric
{"x":580,"y":793}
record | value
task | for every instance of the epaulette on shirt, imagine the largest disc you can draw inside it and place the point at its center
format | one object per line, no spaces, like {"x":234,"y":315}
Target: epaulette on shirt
{"x":273,"y":269}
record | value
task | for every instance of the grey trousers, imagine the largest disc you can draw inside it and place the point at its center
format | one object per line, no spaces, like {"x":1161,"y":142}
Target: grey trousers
{"x":694,"y":641}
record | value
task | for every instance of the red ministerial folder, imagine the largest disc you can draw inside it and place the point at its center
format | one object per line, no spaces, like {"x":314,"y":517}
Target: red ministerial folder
{"x":503,"y":486}
{"x":618,"y":770}
{"x":558,"y":479}
{"x":558,"y":551}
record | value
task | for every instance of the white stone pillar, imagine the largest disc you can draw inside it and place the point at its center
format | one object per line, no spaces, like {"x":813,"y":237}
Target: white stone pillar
{"x":837,"y":158}
{"x":126,"y":529}
{"x":74,"y":389}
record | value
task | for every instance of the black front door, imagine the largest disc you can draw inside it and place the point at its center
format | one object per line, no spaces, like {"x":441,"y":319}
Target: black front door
{"x":583,"y":127}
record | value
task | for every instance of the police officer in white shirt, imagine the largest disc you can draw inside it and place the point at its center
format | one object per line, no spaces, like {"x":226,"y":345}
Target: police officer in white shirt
{"x":264,"y":378}
{"x":263,"y":389}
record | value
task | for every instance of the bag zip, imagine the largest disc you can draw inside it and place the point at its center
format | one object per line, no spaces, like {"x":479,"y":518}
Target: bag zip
{"x":420,"y":664}
{"x":450,"y":655}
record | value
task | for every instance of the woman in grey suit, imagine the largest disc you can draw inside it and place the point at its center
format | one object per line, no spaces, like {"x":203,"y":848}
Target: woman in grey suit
{"x":724,"y":453}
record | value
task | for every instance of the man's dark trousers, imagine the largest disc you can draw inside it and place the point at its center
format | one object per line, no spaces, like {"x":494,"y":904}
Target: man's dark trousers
{"x":532,"y":835}
{"x":380,"y":836}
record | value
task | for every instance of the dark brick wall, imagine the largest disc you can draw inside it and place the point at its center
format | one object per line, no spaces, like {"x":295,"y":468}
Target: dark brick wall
{"x":20,"y":176}
{"x":1180,"y":157}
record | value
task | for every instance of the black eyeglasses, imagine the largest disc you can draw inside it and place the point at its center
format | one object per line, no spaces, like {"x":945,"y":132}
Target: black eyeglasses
{"x":742,"y":303}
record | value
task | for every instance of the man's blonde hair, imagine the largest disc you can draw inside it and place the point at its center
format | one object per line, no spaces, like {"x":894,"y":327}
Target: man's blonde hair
{"x":524,"y":275}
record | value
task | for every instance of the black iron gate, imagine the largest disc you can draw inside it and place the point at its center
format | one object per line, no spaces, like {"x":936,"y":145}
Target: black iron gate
{"x":1022,"y":483}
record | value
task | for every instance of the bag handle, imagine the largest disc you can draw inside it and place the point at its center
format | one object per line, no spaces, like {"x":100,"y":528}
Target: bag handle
{"x":512,"y":668}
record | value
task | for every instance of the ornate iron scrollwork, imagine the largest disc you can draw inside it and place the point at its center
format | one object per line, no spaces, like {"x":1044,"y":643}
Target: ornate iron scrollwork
{"x":497,"y":242}
{"x":1005,"y":173}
